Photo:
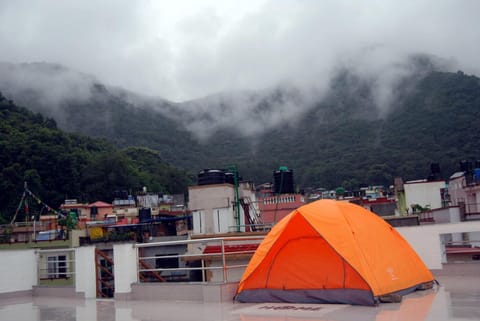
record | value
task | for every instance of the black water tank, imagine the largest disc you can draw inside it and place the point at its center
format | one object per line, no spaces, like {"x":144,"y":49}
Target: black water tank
{"x":211,"y":176}
{"x":283,"y":181}
{"x":201,"y":177}
{"x":144,"y":214}
{"x":230,"y":178}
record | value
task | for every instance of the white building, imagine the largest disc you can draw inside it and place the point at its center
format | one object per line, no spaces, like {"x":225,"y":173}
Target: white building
{"x":427,"y":194}
{"x":465,"y":192}
{"x":213,"y":207}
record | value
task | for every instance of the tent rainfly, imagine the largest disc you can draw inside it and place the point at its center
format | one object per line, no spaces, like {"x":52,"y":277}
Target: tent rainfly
{"x":332,"y":252}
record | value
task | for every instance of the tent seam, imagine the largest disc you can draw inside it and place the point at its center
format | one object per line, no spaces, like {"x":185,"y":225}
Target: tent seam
{"x":360,"y":250}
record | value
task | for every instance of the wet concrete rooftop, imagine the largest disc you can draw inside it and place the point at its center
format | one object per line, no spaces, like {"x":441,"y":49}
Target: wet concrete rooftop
{"x":457,"y":298}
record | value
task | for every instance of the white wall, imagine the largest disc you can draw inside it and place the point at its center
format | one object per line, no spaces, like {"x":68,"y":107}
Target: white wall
{"x":210,"y":196}
{"x":446,"y":215}
{"x":198,"y":222}
{"x":425,"y":239}
{"x":206,"y":198}
{"x":85,"y":277}
{"x":456,"y":190}
{"x":424,"y":193}
{"x":222,"y":219}
{"x":207,"y":202}
{"x":125,"y":267}
{"x":474,"y":238}
{"x":18,"y":270}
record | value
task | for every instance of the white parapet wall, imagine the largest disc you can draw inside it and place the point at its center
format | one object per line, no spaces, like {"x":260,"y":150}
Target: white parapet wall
{"x":18,"y":271}
{"x":425,"y":240}
{"x":85,"y":274}
{"x":124,"y":269}
{"x":19,"y":268}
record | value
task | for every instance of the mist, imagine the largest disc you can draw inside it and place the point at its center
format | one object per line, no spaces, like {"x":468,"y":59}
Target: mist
{"x":237,"y":54}
{"x":52,"y":84}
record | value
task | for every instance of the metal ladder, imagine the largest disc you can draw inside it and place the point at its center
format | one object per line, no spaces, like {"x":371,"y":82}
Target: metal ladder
{"x":251,"y":212}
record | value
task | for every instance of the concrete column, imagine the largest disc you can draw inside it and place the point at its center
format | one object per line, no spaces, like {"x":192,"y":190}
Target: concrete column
{"x":125,"y":269}
{"x":85,"y":275}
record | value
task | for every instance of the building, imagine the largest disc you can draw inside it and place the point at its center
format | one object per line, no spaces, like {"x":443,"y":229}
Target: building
{"x":214,"y":210}
{"x":423,"y":194}
{"x":464,"y":190}
{"x":273,"y":207}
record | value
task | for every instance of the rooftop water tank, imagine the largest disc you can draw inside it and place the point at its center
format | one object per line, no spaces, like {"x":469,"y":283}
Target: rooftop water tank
{"x":476,"y":175}
{"x":211,"y":176}
{"x":283,"y":181}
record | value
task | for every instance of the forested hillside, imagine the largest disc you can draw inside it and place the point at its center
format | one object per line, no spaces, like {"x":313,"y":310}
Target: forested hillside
{"x":57,"y":165}
{"x":343,"y":138}
{"x":435,"y":120}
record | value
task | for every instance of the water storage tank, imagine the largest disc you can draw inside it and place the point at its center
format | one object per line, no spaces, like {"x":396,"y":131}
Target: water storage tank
{"x":230,"y":178}
{"x":476,"y":175}
{"x":283,"y":181}
{"x":201,"y":177}
{"x":211,"y":176}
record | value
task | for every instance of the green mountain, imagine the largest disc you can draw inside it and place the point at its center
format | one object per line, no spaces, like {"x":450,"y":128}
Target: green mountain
{"x":361,"y":130}
{"x":57,"y":165}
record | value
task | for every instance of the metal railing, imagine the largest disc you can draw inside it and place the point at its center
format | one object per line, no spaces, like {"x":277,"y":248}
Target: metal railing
{"x":209,"y":260}
{"x":262,"y":227}
{"x":56,"y":267}
{"x":472,"y":209}
{"x":33,"y":231}
{"x":465,"y":243}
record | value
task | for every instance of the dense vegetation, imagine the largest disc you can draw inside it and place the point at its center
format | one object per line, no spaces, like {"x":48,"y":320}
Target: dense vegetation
{"x":434,"y":120}
{"x":343,"y":139}
{"x":57,"y":165}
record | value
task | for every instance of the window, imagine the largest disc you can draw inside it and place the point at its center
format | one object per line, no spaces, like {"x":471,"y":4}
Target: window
{"x":57,"y":267}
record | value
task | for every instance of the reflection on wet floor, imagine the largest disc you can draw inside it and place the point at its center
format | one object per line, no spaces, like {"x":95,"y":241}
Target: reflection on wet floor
{"x":456,"y":303}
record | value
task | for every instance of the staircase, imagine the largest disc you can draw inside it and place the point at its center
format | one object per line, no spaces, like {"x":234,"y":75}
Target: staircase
{"x":149,"y":276}
{"x":105,"y":278}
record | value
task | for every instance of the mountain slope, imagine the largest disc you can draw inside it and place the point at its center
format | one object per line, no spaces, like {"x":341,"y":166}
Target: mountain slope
{"x":57,"y":165}
{"x":341,"y":137}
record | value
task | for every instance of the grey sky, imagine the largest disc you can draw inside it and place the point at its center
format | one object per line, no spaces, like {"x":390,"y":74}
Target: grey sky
{"x":183,"y":49}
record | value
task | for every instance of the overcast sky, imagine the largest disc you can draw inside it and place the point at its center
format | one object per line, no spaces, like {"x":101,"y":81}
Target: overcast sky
{"x":184,"y":49}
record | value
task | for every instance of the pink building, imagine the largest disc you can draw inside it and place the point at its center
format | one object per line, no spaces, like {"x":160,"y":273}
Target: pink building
{"x":99,"y":210}
{"x":275,"y":207}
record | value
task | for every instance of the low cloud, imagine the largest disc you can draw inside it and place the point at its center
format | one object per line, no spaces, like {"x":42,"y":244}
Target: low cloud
{"x":190,"y":49}
{"x":48,"y":84}
{"x":237,"y":53}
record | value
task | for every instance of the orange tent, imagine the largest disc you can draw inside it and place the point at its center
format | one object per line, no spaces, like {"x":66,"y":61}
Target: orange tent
{"x":332,"y":252}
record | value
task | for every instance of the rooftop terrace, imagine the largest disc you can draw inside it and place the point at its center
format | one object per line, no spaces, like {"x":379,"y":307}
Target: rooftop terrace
{"x":457,"y":298}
